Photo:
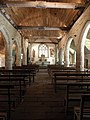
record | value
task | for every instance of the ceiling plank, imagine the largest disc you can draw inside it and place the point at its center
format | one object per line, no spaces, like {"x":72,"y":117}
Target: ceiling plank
{"x":41,"y":4}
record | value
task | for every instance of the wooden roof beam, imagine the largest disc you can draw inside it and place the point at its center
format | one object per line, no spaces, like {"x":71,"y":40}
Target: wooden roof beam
{"x":42,"y":28}
{"x":41,"y":4}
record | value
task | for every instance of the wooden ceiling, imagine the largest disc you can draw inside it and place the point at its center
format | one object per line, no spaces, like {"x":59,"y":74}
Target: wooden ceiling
{"x":48,"y":20}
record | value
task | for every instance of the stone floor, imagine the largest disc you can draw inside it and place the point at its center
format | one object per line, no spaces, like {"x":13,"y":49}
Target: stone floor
{"x":41,"y":102}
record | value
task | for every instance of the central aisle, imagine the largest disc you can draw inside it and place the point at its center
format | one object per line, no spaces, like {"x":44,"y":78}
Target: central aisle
{"x":41,"y":102}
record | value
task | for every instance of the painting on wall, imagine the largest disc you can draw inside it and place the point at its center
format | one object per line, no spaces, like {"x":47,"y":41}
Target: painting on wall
{"x":52,"y":52}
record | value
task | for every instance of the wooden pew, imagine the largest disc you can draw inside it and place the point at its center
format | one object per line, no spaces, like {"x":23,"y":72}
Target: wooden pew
{"x":8,"y":100}
{"x":83,"y":111}
{"x":31,"y":66}
{"x":17,"y":80}
{"x":64,"y":76}
{"x":73,"y":94}
{"x":21,"y":72}
{"x":30,"y":71}
{"x":76,"y":84}
{"x":51,"y":68}
{"x":53,"y":72}
{"x":54,"y":66}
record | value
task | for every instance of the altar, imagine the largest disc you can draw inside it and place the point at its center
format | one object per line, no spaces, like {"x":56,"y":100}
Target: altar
{"x":43,"y":61}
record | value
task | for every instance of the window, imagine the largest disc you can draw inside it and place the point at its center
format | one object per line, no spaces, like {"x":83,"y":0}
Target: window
{"x":43,"y":50}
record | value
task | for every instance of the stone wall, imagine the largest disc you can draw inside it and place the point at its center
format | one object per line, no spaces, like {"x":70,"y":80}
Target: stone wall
{"x":10,"y":34}
{"x":76,"y":33}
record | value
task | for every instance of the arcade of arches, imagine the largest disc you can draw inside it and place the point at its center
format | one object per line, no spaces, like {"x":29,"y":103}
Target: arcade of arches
{"x":72,"y":50}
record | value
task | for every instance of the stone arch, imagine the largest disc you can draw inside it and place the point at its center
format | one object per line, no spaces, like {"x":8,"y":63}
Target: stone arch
{"x":5,"y":33}
{"x":67,"y":52}
{"x":8,"y":51}
{"x":83,"y":38}
{"x":2,"y":50}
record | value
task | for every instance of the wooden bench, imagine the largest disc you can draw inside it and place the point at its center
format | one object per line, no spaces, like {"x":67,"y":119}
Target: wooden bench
{"x":31,"y":66}
{"x":64,"y":76}
{"x":22,"y":72}
{"x":8,"y":100}
{"x":76,"y":84}
{"x":31,"y":72}
{"x":53,"y":72}
{"x":82,"y":112}
{"x":51,"y":68}
{"x":17,"y":80}
{"x":54,"y":66}
{"x":73,"y":94}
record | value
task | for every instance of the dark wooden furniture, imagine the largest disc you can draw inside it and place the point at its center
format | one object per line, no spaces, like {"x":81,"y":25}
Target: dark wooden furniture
{"x":8,"y":100}
{"x":82,"y":112}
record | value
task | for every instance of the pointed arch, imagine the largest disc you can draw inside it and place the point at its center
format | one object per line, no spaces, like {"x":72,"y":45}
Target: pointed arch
{"x":8,"y":51}
{"x":83,"y":38}
{"x":69,"y":50}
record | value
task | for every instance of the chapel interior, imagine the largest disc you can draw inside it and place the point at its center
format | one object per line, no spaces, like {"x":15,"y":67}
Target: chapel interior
{"x":44,"y":59}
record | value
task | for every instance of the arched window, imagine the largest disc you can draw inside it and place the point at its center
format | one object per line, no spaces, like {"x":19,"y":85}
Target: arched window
{"x":43,"y":50}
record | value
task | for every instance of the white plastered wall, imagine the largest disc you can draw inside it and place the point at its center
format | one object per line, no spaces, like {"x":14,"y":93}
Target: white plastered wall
{"x":76,"y":33}
{"x":8,"y":32}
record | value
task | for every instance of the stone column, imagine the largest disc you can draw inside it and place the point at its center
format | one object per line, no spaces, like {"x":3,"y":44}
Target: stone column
{"x":61,"y":55}
{"x":18,"y":57}
{"x":24,"y":52}
{"x":74,"y":57}
{"x":55,"y":54}
{"x":8,"y":57}
{"x":29,"y":51}
{"x":18,"y":52}
{"x":67,"y":58}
